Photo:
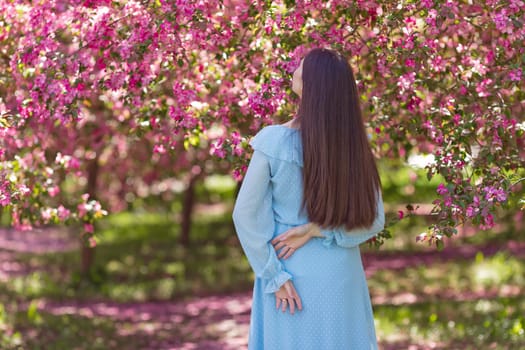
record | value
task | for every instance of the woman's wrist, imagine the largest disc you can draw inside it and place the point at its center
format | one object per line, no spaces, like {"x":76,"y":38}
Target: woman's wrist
{"x":315,"y":231}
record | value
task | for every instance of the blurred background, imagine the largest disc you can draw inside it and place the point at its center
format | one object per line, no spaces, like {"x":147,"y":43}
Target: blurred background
{"x":143,"y":109}
{"x":149,"y":286}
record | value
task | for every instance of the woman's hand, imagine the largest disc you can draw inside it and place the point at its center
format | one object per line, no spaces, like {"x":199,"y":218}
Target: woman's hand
{"x":288,"y":297}
{"x":295,"y":238}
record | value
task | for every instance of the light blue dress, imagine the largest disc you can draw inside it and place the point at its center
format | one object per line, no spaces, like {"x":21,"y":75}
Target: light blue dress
{"x":327,"y":272}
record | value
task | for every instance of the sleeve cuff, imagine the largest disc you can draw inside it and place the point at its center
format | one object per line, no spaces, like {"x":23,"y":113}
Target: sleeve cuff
{"x":274,"y":274}
{"x":275,"y":283}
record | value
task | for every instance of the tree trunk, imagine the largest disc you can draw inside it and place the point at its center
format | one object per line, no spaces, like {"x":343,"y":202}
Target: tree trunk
{"x":187,"y":210}
{"x":88,"y":253}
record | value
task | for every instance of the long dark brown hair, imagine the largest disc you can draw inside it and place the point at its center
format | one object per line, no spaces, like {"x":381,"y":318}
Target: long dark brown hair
{"x":340,"y":177}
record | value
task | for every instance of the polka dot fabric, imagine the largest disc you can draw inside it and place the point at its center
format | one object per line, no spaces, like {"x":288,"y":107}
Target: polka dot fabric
{"x":327,"y":272}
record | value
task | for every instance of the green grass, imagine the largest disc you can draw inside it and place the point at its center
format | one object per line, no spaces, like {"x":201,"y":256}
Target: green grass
{"x":138,"y":259}
{"x":493,"y":274}
{"x":66,"y":332}
{"x":478,"y":324}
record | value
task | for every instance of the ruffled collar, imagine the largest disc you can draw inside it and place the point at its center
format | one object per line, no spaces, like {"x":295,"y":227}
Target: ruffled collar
{"x":272,"y":139}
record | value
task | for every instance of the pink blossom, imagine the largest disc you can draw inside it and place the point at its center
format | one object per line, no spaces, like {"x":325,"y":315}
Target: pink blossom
{"x":237,"y":175}
{"x":238,"y":150}
{"x":217,"y":150}
{"x":82,"y":209}
{"x":515,"y":75}
{"x":159,"y":149}
{"x":442,"y":189}
{"x":492,"y":193}
{"x":236,"y":138}
{"x":516,"y":5}
{"x":431,"y":17}
{"x":89,"y":228}
{"x":53,"y":191}
{"x":482,"y":88}
{"x":24,"y":190}
{"x":47,"y":214}
{"x":405,"y":81}
{"x":427,"y":3}
{"x":63,"y":213}
{"x":471,"y":211}
{"x":488,"y":222}
{"x":490,"y":57}
{"x":5,"y":193}
{"x":503,"y":22}
{"x":437,"y":64}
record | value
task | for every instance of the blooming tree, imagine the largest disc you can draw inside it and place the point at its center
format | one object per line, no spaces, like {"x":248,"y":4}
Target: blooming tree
{"x":83,"y":82}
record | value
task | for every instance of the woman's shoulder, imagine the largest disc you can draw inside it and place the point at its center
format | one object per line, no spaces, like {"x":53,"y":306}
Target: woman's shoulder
{"x":278,"y":141}
{"x":274,"y":131}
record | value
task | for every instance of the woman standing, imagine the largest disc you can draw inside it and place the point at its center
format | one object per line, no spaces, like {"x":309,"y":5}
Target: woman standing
{"x":310,"y":196}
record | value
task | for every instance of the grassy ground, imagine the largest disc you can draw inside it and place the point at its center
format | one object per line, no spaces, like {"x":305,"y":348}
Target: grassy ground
{"x":466,"y":300}
{"x":148,"y":292}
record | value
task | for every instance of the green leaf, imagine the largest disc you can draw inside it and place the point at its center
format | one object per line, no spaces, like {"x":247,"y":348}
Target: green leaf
{"x":32,"y":312}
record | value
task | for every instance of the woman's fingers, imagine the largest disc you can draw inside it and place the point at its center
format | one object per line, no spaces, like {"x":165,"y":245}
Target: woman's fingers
{"x":279,"y":245}
{"x":282,"y":236}
{"x":294,"y":231}
{"x":283,"y":252}
{"x":289,"y":253}
{"x":285,"y":302}
{"x":277,"y":239}
{"x":294,"y":295}
{"x":298,"y":301}
{"x":292,"y":306}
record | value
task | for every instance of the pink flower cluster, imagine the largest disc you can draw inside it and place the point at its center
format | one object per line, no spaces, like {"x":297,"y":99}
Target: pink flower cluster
{"x":93,"y":82}
{"x":5,"y":192}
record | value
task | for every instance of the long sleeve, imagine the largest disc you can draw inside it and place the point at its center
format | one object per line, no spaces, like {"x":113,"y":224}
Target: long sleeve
{"x":353,"y":238}
{"x":253,"y":219}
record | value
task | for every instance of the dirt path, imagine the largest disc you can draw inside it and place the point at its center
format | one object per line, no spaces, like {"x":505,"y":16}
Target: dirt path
{"x":215,"y":322}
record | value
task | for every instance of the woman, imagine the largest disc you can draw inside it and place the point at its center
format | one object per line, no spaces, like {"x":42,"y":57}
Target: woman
{"x":310,"y":196}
